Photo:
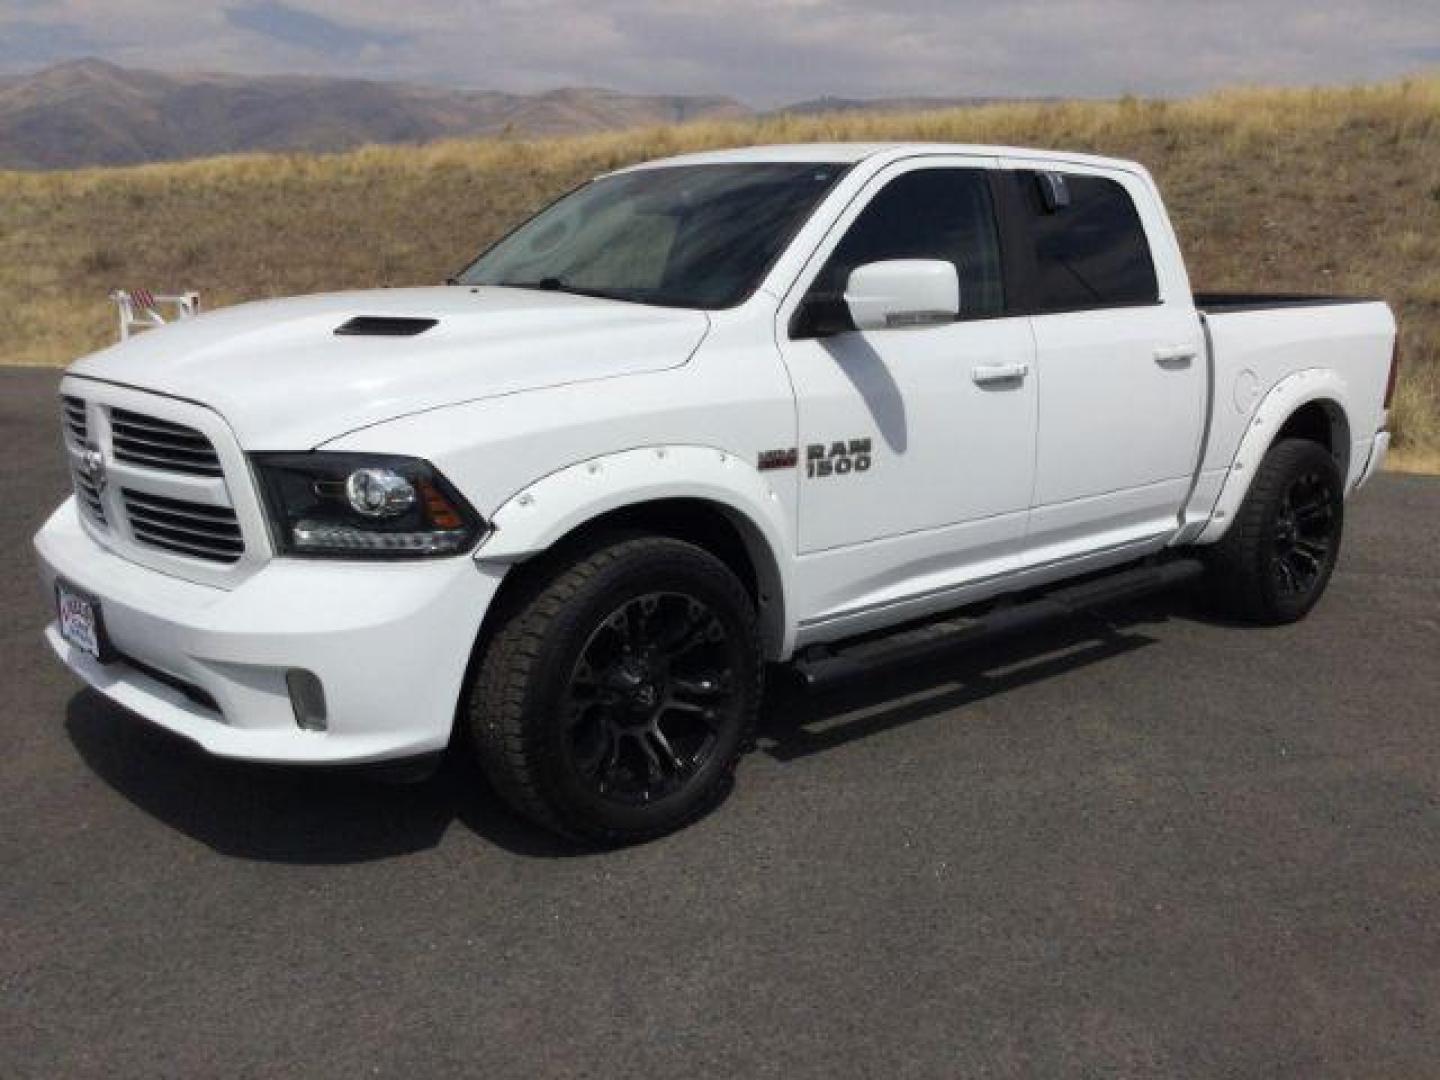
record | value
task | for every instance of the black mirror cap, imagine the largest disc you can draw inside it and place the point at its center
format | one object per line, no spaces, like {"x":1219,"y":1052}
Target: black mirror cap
{"x":821,"y":316}
{"x":1054,"y":191}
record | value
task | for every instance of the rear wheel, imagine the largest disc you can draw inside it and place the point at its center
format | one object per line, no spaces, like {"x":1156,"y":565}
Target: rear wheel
{"x":1276,"y":560}
{"x":614,"y":700}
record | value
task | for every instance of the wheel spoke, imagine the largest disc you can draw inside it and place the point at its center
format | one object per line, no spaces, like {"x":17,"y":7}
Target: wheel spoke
{"x":703,"y":687}
{"x":637,"y":730}
{"x":654,"y":771}
{"x":1287,"y":575}
{"x":1302,"y":572}
{"x":668,"y":751}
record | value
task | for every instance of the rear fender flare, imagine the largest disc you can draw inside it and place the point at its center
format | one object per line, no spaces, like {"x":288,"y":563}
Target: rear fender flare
{"x":1282,"y":402}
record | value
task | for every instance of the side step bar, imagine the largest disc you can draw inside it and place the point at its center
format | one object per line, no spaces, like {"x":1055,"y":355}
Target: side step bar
{"x":824,"y":665}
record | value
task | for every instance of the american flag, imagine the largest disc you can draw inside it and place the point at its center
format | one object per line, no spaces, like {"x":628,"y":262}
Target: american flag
{"x":143,"y":299}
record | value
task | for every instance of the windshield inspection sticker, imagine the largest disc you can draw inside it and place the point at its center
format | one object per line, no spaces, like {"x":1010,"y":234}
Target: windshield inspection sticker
{"x":837,"y":458}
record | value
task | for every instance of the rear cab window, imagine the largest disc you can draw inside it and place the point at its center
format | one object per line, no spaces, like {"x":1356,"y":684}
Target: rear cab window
{"x":1082,"y":243}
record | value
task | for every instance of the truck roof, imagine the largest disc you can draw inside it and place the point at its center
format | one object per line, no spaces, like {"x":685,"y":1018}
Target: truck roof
{"x":850,"y":153}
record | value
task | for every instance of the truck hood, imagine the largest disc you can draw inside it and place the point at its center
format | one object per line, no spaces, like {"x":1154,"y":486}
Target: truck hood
{"x":284,"y":380}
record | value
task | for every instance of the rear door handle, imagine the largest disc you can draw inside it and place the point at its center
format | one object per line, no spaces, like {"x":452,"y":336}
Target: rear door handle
{"x":1175,"y":355}
{"x":986,"y":374}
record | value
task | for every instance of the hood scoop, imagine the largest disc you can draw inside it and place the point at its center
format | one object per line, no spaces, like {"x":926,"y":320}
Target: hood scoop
{"x":384,"y":326}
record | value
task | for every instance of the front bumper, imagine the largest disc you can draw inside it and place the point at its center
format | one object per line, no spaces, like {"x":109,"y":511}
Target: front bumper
{"x":389,"y":642}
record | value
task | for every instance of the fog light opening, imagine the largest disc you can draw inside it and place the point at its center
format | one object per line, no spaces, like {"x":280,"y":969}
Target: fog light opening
{"x":307,"y":698}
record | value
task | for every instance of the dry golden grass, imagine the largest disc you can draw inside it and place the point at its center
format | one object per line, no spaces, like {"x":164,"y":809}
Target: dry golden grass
{"x":1314,"y":190}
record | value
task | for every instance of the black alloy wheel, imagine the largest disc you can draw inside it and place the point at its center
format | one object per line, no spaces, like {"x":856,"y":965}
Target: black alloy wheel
{"x":652,"y":690}
{"x":1304,"y":534}
{"x":1275,"y":561}
{"x":617,"y":691}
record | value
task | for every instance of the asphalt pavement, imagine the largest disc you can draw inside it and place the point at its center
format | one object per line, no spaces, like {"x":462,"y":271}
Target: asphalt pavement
{"x":1146,"y":844}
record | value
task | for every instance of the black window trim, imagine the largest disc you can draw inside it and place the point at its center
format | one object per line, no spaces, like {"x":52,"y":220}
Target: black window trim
{"x":1016,"y":230}
{"x":796,"y":329}
{"x":1017,"y":249}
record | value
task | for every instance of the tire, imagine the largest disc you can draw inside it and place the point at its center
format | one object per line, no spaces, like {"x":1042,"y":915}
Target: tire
{"x":617,"y":693}
{"x":1274,"y":563}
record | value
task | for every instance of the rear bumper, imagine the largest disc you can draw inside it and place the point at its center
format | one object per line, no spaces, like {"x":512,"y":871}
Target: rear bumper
{"x":1379,"y":448}
{"x":389,"y":642}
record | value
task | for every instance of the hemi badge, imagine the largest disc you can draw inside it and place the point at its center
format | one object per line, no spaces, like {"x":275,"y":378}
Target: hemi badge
{"x":779,"y":459}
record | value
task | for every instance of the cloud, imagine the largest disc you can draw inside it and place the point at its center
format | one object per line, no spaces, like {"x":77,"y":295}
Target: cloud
{"x":307,"y":30}
{"x":28,"y":42}
{"x":766,"y":52}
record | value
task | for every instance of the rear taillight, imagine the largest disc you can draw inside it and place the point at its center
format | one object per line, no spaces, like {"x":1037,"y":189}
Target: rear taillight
{"x":1394,"y":372}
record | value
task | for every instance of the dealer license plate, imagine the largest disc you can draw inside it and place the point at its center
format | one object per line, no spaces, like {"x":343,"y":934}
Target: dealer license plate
{"x":80,"y":620}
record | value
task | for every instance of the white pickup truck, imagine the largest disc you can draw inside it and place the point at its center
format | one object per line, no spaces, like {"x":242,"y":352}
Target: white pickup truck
{"x":708,"y":412}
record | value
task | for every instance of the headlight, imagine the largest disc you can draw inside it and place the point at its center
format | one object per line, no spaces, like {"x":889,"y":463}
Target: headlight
{"x":363,"y":506}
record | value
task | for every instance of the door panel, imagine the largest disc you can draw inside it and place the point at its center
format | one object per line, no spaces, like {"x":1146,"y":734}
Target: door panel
{"x":945,"y":442}
{"x":916,"y":445}
{"x":1120,"y":359}
{"x":1121,"y":400}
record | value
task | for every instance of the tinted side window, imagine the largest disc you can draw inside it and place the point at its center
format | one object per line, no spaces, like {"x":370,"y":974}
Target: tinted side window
{"x":928,"y":214}
{"x":1091,"y":253}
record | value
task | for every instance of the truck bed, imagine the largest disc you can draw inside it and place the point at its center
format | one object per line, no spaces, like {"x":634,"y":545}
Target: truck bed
{"x":1258,"y":341}
{"x":1221,"y":302}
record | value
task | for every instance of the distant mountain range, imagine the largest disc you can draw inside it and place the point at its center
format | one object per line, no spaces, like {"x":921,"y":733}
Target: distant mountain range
{"x":90,"y":112}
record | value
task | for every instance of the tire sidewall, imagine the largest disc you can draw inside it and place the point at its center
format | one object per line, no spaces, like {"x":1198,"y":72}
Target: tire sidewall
{"x":671,"y":566}
{"x":1307,"y":457}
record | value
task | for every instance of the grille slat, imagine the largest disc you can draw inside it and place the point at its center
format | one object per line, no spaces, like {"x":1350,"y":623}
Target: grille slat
{"x":164,"y":448}
{"x":200,"y":551}
{"x":90,"y":498}
{"x":75,"y":423}
{"x":160,"y":444}
{"x":179,"y":508}
{"x":151,"y":423}
{"x":217,"y":531}
{"x":209,"y":546}
{"x":165,"y":462}
{"x":207,"y":532}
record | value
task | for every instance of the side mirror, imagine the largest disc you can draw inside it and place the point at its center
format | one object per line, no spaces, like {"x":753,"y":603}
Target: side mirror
{"x":903,"y":293}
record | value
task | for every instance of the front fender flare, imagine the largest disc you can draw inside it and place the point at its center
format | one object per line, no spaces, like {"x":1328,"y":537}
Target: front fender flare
{"x":536,"y":518}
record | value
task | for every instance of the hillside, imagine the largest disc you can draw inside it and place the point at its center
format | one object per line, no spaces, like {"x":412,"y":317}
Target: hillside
{"x":89,"y":112}
{"x":1324,"y":190}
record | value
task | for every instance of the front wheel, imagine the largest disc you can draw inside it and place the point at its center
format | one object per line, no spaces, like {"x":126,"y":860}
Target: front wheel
{"x":615,"y":698}
{"x":1276,"y":560}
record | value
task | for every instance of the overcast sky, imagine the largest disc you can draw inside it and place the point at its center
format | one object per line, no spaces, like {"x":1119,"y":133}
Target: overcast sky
{"x":764,"y":52}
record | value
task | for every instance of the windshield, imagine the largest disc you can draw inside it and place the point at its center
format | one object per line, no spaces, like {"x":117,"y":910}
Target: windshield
{"x":699,"y":236}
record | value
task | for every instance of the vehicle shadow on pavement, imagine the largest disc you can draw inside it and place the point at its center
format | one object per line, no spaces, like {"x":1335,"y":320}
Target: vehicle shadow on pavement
{"x":286,"y":815}
{"x":289,"y":815}
{"x":799,"y":722}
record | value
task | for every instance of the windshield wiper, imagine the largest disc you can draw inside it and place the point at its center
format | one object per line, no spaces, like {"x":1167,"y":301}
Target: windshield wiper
{"x":560,"y":285}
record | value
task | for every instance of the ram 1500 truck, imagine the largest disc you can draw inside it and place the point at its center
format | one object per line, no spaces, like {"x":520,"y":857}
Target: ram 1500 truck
{"x":696,"y":416}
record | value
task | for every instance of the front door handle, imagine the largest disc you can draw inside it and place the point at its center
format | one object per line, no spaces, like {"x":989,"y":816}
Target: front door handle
{"x":1176,"y":355}
{"x":986,"y":374}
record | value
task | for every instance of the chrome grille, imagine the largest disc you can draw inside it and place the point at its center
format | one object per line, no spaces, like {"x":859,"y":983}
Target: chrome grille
{"x":74,"y":418}
{"x":205,"y":532}
{"x":160,"y":444}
